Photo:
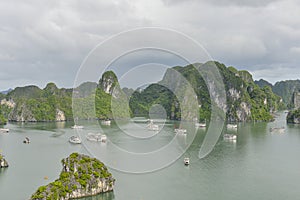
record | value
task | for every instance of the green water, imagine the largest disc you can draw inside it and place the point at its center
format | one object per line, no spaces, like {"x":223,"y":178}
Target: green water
{"x":260,"y":165}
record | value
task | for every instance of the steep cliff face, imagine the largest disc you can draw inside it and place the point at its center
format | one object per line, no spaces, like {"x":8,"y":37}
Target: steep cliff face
{"x":81,"y":176}
{"x":21,"y":113}
{"x":108,"y":82}
{"x":245,"y":101}
{"x":293,"y":117}
{"x":32,"y":104}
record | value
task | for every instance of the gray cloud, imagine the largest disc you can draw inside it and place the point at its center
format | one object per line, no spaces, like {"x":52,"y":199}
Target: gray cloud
{"x":44,"y":41}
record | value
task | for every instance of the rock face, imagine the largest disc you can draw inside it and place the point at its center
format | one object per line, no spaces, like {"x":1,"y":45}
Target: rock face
{"x":108,"y":82}
{"x":60,"y":116}
{"x":81,"y":176}
{"x":3,"y":162}
{"x":21,"y":113}
{"x":293,"y":117}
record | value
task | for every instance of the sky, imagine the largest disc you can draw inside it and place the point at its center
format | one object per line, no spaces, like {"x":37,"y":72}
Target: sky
{"x":47,"y":41}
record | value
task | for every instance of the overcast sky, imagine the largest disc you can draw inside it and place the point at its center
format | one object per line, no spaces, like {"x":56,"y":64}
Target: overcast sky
{"x":43,"y":41}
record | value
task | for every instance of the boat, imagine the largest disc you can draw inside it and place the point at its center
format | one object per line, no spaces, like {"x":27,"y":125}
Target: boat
{"x":94,"y":137}
{"x":277,"y":129}
{"x":76,"y":127}
{"x":152,"y":127}
{"x":180,"y":131}
{"x":103,"y":138}
{"x":230,"y":137}
{"x":26,"y":141}
{"x":75,"y":140}
{"x":186,"y":161}
{"x":106,"y":122}
{"x":233,"y":126}
{"x":4,"y":130}
{"x":200,"y":125}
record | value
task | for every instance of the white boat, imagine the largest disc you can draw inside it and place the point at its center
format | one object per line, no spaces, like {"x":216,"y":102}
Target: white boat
{"x":186,"y":161}
{"x":152,"y":127}
{"x":200,"y":125}
{"x":76,"y":127}
{"x":95,"y":137}
{"x":103,"y":138}
{"x":75,"y":140}
{"x":231,"y":137}
{"x":4,"y":130}
{"x":234,"y":126}
{"x":278,"y":129}
{"x":106,"y":122}
{"x":26,"y":141}
{"x":180,"y":131}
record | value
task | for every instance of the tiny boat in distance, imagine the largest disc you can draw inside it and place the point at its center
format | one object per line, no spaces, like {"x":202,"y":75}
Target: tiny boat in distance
{"x":95,"y":137}
{"x":77,"y":127}
{"x":186,"y":161}
{"x":278,"y":129}
{"x":180,"y":131}
{"x":234,"y":126}
{"x":200,"y":125}
{"x":26,"y":141}
{"x":152,"y":127}
{"x":230,"y":137}
{"x":4,"y":130}
{"x":106,"y":122}
{"x":75,"y":140}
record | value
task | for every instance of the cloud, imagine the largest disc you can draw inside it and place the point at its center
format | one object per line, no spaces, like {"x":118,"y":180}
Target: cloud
{"x":45,"y":41}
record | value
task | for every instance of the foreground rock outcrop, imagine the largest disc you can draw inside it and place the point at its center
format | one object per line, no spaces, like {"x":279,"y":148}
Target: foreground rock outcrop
{"x":81,"y":176}
{"x":3,"y":162}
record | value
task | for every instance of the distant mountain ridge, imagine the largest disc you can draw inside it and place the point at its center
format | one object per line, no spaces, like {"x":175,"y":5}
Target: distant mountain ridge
{"x":247,"y":100}
{"x":284,"y":89}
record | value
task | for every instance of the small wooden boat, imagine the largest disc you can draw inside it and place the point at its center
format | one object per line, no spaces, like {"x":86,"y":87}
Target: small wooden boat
{"x":4,"y":130}
{"x":106,"y":122}
{"x":26,"y":141}
{"x":94,"y":137}
{"x":103,"y":138}
{"x":232,"y":126}
{"x":200,"y":125}
{"x":186,"y":161}
{"x":76,"y":127}
{"x":230,"y":137}
{"x":180,"y":131}
{"x":152,"y":127}
{"x":75,"y":140}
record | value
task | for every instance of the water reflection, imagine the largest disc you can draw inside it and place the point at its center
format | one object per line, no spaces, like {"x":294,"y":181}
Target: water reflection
{"x":104,"y":196}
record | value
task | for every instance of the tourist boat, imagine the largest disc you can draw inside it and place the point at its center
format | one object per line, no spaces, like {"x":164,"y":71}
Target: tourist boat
{"x":153,"y":127}
{"x":76,"y":127}
{"x":233,"y":126}
{"x":26,"y":141}
{"x":186,"y":161}
{"x":94,"y":137}
{"x":4,"y":130}
{"x":231,"y":137}
{"x":75,"y":140}
{"x":106,"y":122}
{"x":200,"y":125}
{"x":103,"y":138}
{"x":277,"y":129}
{"x":180,"y":131}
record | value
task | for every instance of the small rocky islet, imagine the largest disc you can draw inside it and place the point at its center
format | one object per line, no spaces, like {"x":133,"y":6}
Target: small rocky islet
{"x":81,"y":176}
{"x":3,"y":162}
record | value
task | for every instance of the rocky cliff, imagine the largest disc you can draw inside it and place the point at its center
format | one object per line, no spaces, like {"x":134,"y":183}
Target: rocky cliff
{"x":293,"y":117}
{"x":81,"y":176}
{"x":245,"y":101}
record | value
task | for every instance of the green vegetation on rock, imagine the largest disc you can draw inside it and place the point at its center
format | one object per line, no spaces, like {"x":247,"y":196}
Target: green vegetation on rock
{"x":81,"y":176}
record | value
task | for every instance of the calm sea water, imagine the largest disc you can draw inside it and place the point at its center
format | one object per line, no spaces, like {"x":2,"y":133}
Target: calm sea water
{"x":260,"y":165}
